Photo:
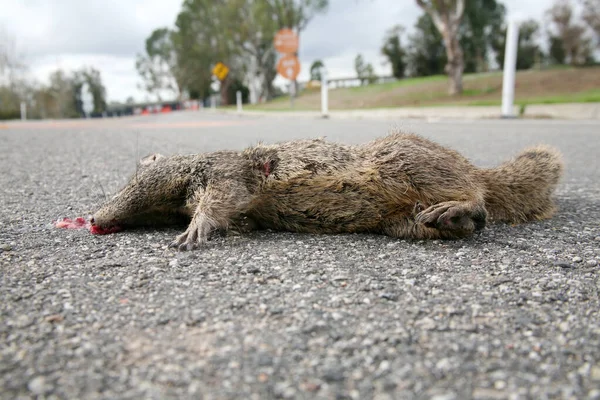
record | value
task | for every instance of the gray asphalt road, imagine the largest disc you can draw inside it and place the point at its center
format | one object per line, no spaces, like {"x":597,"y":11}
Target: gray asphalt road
{"x":511,"y":313}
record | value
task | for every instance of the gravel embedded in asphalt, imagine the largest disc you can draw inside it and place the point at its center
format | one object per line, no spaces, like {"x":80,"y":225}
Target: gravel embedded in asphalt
{"x":510,"y":313}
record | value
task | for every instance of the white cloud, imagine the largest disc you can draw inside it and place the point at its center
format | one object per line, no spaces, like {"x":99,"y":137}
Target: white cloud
{"x":107,"y":34}
{"x":44,"y":27}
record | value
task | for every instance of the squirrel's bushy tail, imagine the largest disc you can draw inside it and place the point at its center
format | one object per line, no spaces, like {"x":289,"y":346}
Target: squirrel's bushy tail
{"x":521,"y":189}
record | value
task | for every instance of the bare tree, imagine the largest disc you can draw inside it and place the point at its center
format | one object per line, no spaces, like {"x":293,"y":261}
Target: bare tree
{"x":14,"y":87}
{"x":591,"y":16}
{"x":572,"y":35}
{"x":447,"y":15}
{"x":6,"y":50}
{"x":12,"y":64}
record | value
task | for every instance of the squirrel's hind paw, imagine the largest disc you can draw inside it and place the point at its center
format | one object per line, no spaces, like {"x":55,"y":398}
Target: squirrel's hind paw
{"x":457,"y":216}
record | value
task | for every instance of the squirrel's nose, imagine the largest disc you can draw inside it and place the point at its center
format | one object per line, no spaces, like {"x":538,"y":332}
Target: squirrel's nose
{"x":92,"y":221}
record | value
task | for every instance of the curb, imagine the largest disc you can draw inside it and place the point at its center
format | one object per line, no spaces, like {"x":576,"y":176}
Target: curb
{"x":571,"y":111}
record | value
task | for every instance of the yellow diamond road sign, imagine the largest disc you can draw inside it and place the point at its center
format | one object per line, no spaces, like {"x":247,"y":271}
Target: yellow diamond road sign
{"x":220,"y":71}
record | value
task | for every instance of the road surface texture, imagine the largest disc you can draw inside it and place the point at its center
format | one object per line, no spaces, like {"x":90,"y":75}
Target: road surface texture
{"x":513,"y":313}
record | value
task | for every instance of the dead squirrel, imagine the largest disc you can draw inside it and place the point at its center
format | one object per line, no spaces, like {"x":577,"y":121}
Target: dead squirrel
{"x":401,"y":185}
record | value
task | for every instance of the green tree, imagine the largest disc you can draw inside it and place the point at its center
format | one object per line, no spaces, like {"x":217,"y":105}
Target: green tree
{"x":315,"y":70}
{"x":199,"y":42}
{"x":370,"y":74}
{"x":296,"y":14}
{"x":426,"y":54}
{"x":365,"y":72}
{"x":254,"y":34}
{"x":557,"y":53}
{"x":158,"y":67}
{"x":9,"y":103}
{"x":393,"y":50}
{"x":60,"y":98}
{"x":480,"y":27}
{"x":93,"y":78}
{"x":237,"y":85}
{"x":359,"y":67}
{"x":182,"y":58}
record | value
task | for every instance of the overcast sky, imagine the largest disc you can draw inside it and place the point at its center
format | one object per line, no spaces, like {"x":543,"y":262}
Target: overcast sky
{"x":107,"y":34}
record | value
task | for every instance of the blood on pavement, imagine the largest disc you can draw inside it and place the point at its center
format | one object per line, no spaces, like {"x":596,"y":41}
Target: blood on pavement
{"x":81,"y":223}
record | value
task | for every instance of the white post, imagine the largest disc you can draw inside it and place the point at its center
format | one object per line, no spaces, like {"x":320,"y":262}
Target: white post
{"x":510,"y":68}
{"x":213,"y":102}
{"x":324,"y":94}
{"x":23,"y":111}
{"x":238,"y":100}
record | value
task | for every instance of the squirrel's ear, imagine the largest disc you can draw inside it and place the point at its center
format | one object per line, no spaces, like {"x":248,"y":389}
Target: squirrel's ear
{"x":151,"y":159}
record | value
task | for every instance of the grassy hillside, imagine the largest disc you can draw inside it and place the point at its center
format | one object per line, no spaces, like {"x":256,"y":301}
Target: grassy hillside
{"x":563,"y":85}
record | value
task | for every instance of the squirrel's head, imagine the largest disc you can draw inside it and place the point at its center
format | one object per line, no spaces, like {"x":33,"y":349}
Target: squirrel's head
{"x":155,"y":195}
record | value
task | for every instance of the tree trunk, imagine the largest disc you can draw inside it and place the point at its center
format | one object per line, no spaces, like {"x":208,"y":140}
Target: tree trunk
{"x":269,"y":73}
{"x":447,"y":21}
{"x":225,"y":83}
{"x":456,"y":63}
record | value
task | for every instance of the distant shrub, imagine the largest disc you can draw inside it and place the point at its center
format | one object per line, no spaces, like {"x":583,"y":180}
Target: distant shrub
{"x":9,"y":114}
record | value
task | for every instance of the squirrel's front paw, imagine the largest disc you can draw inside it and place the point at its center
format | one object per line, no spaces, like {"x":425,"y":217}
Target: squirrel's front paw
{"x":195,"y":235}
{"x":187,"y":241}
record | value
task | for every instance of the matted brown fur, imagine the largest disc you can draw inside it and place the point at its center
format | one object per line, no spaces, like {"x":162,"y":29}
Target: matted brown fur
{"x":401,"y":185}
